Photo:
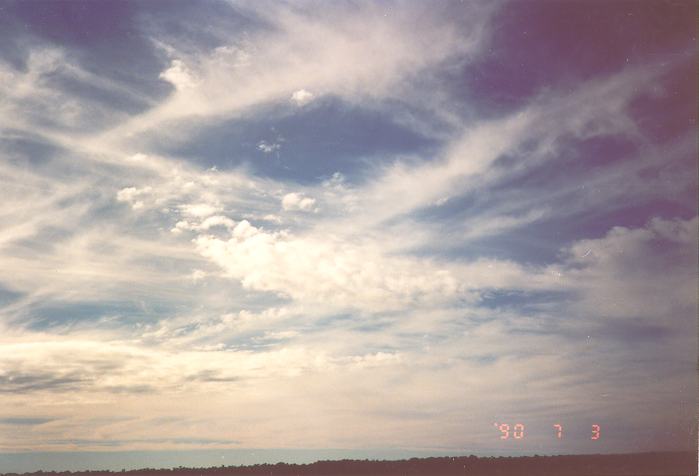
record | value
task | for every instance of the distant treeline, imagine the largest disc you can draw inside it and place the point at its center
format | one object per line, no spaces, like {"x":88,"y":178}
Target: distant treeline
{"x":642,"y":464}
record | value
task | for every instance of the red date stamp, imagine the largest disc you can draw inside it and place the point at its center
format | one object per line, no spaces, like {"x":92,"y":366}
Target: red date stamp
{"x":516,"y":431}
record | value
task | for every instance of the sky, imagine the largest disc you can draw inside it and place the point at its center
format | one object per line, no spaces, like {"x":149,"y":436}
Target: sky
{"x":283,"y":230}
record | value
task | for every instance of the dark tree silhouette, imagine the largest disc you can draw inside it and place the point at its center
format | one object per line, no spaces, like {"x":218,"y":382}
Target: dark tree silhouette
{"x":641,"y":464}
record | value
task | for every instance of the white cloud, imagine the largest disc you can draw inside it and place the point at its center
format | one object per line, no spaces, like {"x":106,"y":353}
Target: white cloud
{"x":280,"y":334}
{"x":355,"y":53}
{"x":138,"y":157}
{"x":301,"y":97}
{"x":48,"y":80}
{"x":297,"y":201}
{"x":134,"y":196}
{"x":179,"y":75}
{"x":272,"y":218}
{"x":217,"y":220}
{"x":618,"y":275}
{"x":349,"y":275}
{"x":267,"y":147}
{"x":127,"y":194}
{"x":199,"y":210}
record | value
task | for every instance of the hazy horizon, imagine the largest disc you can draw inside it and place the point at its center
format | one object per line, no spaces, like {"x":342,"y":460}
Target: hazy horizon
{"x":424,"y":226}
{"x":130,"y":460}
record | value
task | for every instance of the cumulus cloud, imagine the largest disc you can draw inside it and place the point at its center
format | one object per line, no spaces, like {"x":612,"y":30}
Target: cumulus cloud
{"x":297,"y":202}
{"x":350,"y":275}
{"x":134,"y":196}
{"x":302,"y":97}
{"x":618,"y":275}
{"x":208,"y":223}
{"x":199,"y":210}
{"x":179,"y":75}
{"x":267,"y":147}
